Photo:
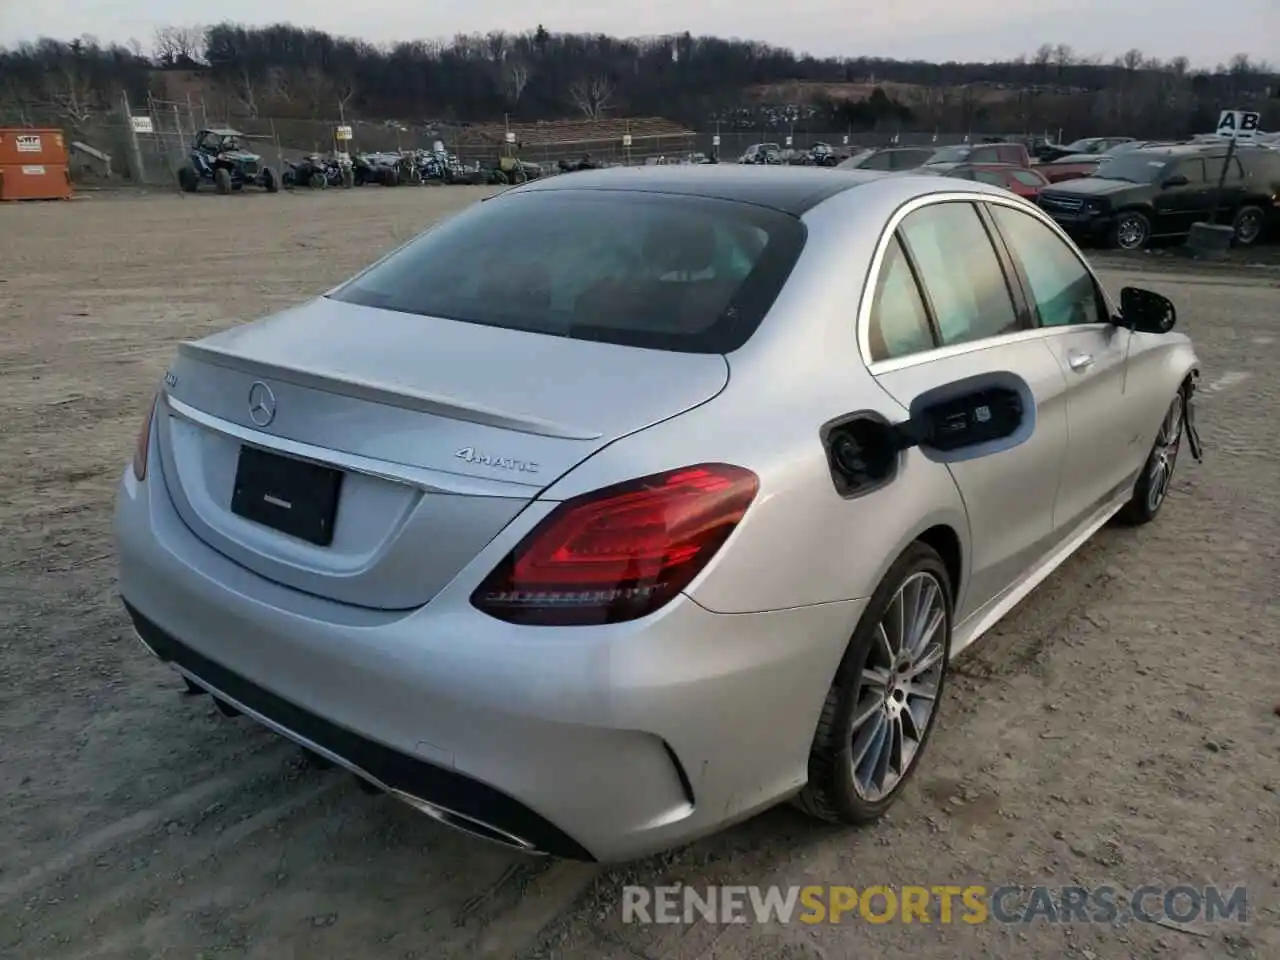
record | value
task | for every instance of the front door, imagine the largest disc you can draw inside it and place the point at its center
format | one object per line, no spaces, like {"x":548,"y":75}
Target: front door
{"x":944,"y":311}
{"x":1092,"y":353}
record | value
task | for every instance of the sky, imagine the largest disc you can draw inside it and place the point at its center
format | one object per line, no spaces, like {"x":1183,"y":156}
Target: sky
{"x":1208,"y":32}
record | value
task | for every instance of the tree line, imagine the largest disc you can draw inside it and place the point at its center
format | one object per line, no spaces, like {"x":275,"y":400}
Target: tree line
{"x":291,"y":71}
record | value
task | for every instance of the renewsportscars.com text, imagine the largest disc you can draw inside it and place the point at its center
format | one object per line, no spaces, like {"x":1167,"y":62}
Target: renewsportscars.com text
{"x":937,"y":904}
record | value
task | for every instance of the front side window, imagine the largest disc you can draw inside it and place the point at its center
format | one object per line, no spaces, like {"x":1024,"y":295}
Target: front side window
{"x":1192,"y":168}
{"x":961,"y":274}
{"x":664,"y":272}
{"x":1063,"y":290}
{"x":899,"y":322}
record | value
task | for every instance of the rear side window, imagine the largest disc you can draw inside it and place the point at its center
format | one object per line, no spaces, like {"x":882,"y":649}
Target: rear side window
{"x":985,"y":155}
{"x":686,"y":274}
{"x":961,"y":274}
{"x":878,"y":161}
{"x":1213,"y":167}
{"x":910,"y":159}
{"x":1029,"y":178}
{"x":899,"y":323}
{"x":989,"y":176}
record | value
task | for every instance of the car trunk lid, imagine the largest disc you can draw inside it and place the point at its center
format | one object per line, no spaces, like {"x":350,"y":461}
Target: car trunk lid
{"x":441,"y":432}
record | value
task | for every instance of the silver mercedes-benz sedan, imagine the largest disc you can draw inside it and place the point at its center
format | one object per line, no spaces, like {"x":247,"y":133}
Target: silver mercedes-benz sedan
{"x":624,"y":505}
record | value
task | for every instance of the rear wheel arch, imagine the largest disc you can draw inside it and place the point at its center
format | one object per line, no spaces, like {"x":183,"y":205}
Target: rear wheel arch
{"x":945,"y":541}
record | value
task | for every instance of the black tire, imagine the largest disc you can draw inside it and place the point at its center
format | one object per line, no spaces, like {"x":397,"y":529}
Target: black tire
{"x":269,"y":181}
{"x":188,"y":180}
{"x":518,"y":175}
{"x":1152,"y":488}
{"x":1248,"y":226}
{"x":1130,"y":231}
{"x":831,"y":794}
{"x":222,"y":181}
{"x":318,"y":180}
{"x":500,"y":178}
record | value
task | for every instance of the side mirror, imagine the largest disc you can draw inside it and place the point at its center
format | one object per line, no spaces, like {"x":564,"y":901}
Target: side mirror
{"x":1146,"y":311}
{"x":1178,"y":180}
{"x":971,"y":418}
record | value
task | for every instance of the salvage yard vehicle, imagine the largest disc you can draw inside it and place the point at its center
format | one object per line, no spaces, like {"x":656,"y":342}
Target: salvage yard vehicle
{"x":1025,"y":183}
{"x":999,"y":152}
{"x":890,"y":158}
{"x":1085,"y":145}
{"x":1159,"y":192}
{"x":219,"y":157}
{"x":498,"y":542}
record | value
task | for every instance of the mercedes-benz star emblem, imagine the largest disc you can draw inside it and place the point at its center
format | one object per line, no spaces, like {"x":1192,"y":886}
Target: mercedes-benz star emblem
{"x":262,"y":404}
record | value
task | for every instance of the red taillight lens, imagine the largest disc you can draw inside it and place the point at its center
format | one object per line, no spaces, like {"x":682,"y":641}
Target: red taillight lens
{"x":144,"y":443}
{"x":621,"y":552}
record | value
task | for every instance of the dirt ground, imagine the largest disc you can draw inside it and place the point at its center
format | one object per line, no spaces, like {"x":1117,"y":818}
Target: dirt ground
{"x":1122,"y":727}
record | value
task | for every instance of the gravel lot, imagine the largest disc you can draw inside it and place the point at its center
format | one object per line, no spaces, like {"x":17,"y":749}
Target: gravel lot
{"x":1122,"y":727}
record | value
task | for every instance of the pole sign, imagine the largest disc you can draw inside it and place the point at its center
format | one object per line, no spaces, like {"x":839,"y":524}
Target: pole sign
{"x":342,"y":133}
{"x":142,"y":125}
{"x":511,"y":137}
{"x":626,"y":139}
{"x":715,"y":140}
{"x":1238,"y":124}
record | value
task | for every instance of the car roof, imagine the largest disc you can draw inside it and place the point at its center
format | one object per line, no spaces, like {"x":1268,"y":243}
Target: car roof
{"x":792,"y":190}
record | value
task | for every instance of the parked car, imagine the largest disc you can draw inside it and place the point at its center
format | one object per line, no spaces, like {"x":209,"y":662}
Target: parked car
{"x":767,"y":153}
{"x":982,"y":153}
{"x":1162,"y":191}
{"x":1025,"y":183}
{"x":889,"y":158}
{"x":497,"y":542}
{"x":1085,"y":145}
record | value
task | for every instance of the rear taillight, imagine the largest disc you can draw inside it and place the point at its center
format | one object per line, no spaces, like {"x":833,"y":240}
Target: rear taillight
{"x":621,"y":552}
{"x":144,"y":443}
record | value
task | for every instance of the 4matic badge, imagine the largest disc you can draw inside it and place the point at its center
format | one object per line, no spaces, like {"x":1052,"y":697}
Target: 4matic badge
{"x":470,"y":455}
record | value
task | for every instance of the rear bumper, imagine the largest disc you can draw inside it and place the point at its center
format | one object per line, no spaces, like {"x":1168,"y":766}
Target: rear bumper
{"x":601,"y":743}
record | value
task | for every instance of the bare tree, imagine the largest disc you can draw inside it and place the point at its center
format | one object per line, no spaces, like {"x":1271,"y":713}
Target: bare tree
{"x":70,"y":95}
{"x":1179,"y":66}
{"x":593,"y":96}
{"x":1132,"y":59}
{"x":179,"y":46}
{"x":1063,"y":57}
{"x":515,"y":77}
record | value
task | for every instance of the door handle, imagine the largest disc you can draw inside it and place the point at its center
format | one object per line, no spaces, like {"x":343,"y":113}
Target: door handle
{"x":1079,"y":362}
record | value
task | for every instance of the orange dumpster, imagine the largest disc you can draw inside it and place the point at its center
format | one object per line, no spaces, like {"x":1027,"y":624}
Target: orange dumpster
{"x":35,"y":181}
{"x":28,"y":146}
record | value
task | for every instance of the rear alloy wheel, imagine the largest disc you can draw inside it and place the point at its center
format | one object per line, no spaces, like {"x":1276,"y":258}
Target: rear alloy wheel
{"x":1247,"y":226}
{"x":1153,"y":484}
{"x":1131,"y":231}
{"x":883,"y":702}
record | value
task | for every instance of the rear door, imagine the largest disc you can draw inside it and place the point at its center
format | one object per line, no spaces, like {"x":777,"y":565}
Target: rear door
{"x":1180,"y":206}
{"x":1068,"y":304}
{"x":1232,"y":193}
{"x":944,"y":310}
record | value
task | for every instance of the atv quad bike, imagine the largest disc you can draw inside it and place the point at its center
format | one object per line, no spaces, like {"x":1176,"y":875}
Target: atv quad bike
{"x":218,"y":157}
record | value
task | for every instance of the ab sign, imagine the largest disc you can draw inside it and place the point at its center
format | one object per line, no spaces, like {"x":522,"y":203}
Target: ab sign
{"x":1238,"y":124}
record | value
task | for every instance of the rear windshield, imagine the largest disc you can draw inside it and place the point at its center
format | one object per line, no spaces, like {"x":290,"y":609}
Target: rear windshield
{"x":666,"y":272}
{"x":950,"y":155}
